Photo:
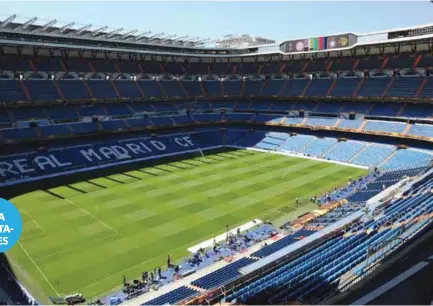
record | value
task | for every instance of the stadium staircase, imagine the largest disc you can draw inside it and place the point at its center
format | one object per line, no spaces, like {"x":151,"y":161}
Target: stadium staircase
{"x":370,"y":109}
{"x":242,"y":88}
{"x":59,"y":91}
{"x":304,"y":121}
{"x":92,"y":68}
{"x":328,"y":93}
{"x":139,"y":89}
{"x":421,"y":87}
{"x":385,"y":92}
{"x":355,"y":64}
{"x":89,"y":92}
{"x":306,"y":87}
{"x":358,"y":87}
{"x":140,"y":68}
{"x":265,"y":84}
{"x":307,"y":144}
{"x":417,"y":60}
{"x":283,"y":88}
{"x":363,"y":124}
{"x":32,"y":66}
{"x":329,"y":150}
{"x":116,"y":91}
{"x":400,"y":112}
{"x":358,"y":153}
{"x":202,"y":89}
{"x":26,"y":91}
{"x":162,"y":89}
{"x":183,"y":89}
{"x":384,"y":62}
{"x":407,"y":128}
{"x":117,"y":66}
{"x":222,"y":89}
{"x":62,"y":64}
{"x":316,"y":107}
{"x":304,"y":68}
{"x":329,"y":66}
{"x":387,"y":159}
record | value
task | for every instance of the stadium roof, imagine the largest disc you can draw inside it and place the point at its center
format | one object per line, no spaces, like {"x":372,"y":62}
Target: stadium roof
{"x":54,"y":27}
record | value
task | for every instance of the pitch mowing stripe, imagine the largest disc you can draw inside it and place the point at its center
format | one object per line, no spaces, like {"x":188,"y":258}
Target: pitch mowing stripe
{"x":110,"y":196}
{"x":185,"y":218}
{"x":160,"y":235}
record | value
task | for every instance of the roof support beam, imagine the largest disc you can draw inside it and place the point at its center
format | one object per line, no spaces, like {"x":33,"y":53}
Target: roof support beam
{"x":8,"y":20}
{"x":26,"y":24}
{"x":98,"y":31}
{"x":129,"y":33}
{"x":46,"y":26}
{"x":64,"y":28}
{"x":142,"y":35}
{"x":114,"y":32}
{"x":82,"y":29}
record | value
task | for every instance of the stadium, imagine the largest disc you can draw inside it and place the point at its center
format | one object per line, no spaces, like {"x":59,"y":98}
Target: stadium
{"x":151,"y":169}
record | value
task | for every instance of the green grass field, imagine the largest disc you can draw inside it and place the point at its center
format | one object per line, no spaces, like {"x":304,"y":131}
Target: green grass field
{"x":83,"y":237}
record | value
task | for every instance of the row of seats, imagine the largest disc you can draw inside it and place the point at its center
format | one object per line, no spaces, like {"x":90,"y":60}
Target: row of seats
{"x":109,"y":113}
{"x":317,"y":269}
{"x":70,"y":112}
{"x":350,"y":151}
{"x":52,"y":64}
{"x":48,"y":90}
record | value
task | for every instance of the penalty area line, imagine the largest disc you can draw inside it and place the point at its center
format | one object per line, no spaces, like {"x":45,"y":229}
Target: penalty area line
{"x":39,"y":269}
{"x":93,"y":217}
{"x":34,"y":221}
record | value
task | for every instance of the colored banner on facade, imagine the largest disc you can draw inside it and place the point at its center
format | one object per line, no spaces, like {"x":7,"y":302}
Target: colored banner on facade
{"x":317,"y":43}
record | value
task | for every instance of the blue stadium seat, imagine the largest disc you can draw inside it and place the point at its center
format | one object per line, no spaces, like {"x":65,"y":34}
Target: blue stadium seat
{"x":405,"y":86}
{"x":10,"y":90}
{"x":373,"y":87}
{"x":421,"y":130}
{"x":42,"y":90}
{"x":173,"y":297}
{"x":345,"y":87}
{"x":73,"y":89}
{"x":127,"y":89}
{"x":319,"y":87}
{"x":385,"y":126}
{"x":101,"y":89}
{"x":222,"y":275}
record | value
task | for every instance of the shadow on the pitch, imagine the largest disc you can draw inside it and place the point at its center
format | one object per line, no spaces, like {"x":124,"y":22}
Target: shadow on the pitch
{"x":54,"y":194}
{"x":114,"y":180}
{"x":162,"y":169}
{"x":77,"y":189}
{"x":147,"y":172}
{"x":97,"y":185}
{"x":132,"y":176}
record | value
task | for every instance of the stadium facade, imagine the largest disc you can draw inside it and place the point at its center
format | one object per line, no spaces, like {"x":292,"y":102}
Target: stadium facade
{"x":77,"y":100}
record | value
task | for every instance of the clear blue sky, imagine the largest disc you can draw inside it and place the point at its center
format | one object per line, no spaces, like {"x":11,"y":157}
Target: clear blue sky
{"x":277,"y":20}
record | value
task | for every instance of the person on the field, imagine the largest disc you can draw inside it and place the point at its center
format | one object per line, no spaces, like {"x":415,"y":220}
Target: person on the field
{"x":168,"y":261}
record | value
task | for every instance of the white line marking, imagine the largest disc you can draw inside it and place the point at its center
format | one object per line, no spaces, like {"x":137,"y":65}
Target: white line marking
{"x":37,"y":267}
{"x":31,"y":218}
{"x":93,"y":217}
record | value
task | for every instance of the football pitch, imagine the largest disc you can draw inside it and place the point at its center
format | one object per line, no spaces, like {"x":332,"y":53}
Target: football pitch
{"x":83,"y":237}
